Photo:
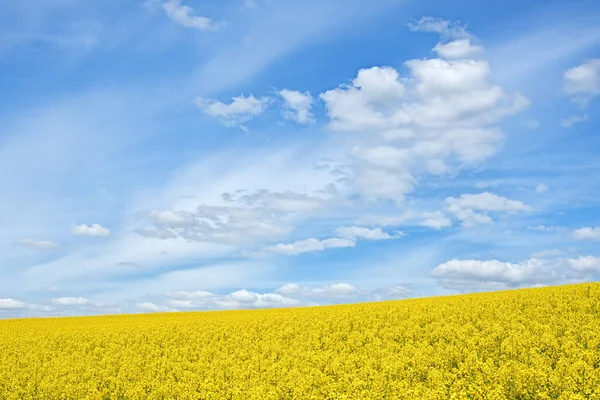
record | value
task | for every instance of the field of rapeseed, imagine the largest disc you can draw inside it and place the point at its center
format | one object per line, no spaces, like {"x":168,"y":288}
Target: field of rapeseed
{"x":523,"y":344}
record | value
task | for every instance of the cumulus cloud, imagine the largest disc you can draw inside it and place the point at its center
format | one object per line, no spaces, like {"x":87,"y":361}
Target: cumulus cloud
{"x":466,"y":207}
{"x":235,"y":300}
{"x":585,"y":264}
{"x":12,"y":304}
{"x":436,"y":220}
{"x":96,"y":230}
{"x":474,"y":274}
{"x":541,"y":269}
{"x":456,"y":40}
{"x":582,"y":82}
{"x":297,"y":106}
{"x":488,"y":202}
{"x":587,"y":233}
{"x":439,"y":118}
{"x":360,"y":233}
{"x":216,"y":224}
{"x":335,"y":290}
{"x":307,"y":246}
{"x":37,"y":244}
{"x":240,"y":109}
{"x":461,"y":48}
{"x":184,"y":15}
{"x":71,"y":301}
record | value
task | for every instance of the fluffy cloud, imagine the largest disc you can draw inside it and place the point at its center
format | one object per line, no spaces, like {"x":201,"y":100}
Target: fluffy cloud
{"x":93,"y":230}
{"x":541,"y":269}
{"x":356,"y":233}
{"x":336,"y":290}
{"x":438,"y":119}
{"x":449,"y":29}
{"x":461,"y":48}
{"x":466,"y":206}
{"x":587,"y":233}
{"x":474,"y":274}
{"x":457,"y":42}
{"x":37,"y":244}
{"x":487,"y":201}
{"x":239,"y":110}
{"x":184,"y":15}
{"x":585,"y":264}
{"x":307,"y":246}
{"x":297,"y":106}
{"x":436,"y":220}
{"x":583,"y":82}
{"x":12,"y":304}
{"x":235,"y":300}
{"x":148,"y":306}
{"x":71,"y":301}
{"x":244,"y":217}
{"x":216,"y":224}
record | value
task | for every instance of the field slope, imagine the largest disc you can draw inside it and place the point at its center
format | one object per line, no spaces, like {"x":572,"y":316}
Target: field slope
{"x":539,"y":343}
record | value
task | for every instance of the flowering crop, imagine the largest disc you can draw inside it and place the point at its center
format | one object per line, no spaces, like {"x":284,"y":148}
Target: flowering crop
{"x":541,"y":343}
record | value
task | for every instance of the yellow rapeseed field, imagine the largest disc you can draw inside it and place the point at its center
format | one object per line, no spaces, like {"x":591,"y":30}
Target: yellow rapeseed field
{"x":539,"y":343}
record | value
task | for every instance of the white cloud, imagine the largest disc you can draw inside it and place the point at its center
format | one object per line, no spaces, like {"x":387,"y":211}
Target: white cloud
{"x":572,"y":120}
{"x":335,"y":290}
{"x":391,"y":293}
{"x":238,"y":299}
{"x":545,"y":228}
{"x":456,"y":49}
{"x":244,"y":299}
{"x":37,"y":244}
{"x":307,"y":246}
{"x":457,"y":41}
{"x":436,"y":220}
{"x":297,"y":106}
{"x":184,"y":15}
{"x":385,"y":220}
{"x":583,"y":82}
{"x":585,"y":264}
{"x":542,"y":268}
{"x":239,"y":110}
{"x":151,"y":307}
{"x":360,"y":233}
{"x":93,"y":230}
{"x":12,"y":304}
{"x":71,"y":301}
{"x":587,"y":233}
{"x":487,"y":201}
{"x":451,"y":29}
{"x":465,"y":206}
{"x":438,"y":119}
{"x":473,"y":274}
{"x":541,"y":188}
{"x":241,"y":216}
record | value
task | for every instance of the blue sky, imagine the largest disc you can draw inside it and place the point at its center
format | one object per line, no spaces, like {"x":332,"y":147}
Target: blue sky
{"x":179,"y":155}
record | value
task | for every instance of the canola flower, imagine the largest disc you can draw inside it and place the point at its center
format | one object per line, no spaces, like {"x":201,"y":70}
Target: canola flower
{"x":541,"y":343}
